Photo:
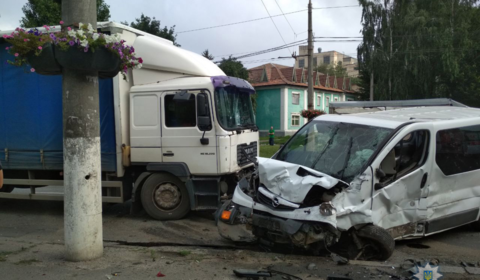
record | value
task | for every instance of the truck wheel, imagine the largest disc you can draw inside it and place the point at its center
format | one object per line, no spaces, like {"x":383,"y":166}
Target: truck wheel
{"x":7,"y":188}
{"x":165,"y":197}
{"x":378,"y":243}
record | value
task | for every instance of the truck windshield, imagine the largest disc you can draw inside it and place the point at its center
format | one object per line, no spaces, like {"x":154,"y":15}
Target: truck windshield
{"x":337,"y":149}
{"x":234,"y":108}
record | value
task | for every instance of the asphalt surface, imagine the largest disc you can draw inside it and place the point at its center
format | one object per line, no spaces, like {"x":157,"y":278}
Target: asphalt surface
{"x":31,"y":246}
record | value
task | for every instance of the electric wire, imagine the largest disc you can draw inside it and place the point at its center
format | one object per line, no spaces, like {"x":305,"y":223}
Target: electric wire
{"x":276,"y":27}
{"x":295,"y":34}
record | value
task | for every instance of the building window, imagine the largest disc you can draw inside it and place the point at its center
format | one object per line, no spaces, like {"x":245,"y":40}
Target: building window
{"x":296,"y":98}
{"x":327,"y":102}
{"x":326,"y":60}
{"x":295,"y":120}
{"x":180,"y":113}
{"x":314,"y":61}
{"x":301,"y":63}
{"x":335,"y":99}
{"x":319,"y":99}
{"x":458,"y":150}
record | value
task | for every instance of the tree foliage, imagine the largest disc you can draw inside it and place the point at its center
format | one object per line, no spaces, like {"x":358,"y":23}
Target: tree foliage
{"x":207,"y":55}
{"x":152,"y":26}
{"x":421,"y":49}
{"x":333,"y":70}
{"x":49,"y":12}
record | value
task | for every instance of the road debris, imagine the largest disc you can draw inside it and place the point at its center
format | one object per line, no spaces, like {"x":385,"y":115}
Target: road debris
{"x":311,"y":266}
{"x":256,"y":274}
{"x":159,"y":274}
{"x":339,"y":259}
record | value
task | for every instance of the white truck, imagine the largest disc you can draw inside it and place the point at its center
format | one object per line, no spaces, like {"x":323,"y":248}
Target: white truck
{"x":175,"y":135}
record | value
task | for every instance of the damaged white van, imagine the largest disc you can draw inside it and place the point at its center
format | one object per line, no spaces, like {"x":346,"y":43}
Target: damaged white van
{"x":352,"y":184}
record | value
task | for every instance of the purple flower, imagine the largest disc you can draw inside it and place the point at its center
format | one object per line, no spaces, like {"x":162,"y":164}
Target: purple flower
{"x":71,"y":43}
{"x":30,"y":31}
{"x":53,"y":36}
{"x":86,"y":49}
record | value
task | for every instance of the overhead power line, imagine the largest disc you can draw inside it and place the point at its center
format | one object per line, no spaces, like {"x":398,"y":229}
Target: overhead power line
{"x":295,"y":34}
{"x":257,"y":19}
{"x":239,"y":22}
{"x":278,"y":30}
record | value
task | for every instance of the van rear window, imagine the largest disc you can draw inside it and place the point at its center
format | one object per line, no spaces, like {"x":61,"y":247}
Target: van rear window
{"x":458,"y":150}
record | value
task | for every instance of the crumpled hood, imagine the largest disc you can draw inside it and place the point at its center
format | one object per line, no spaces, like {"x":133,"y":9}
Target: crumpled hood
{"x":281,"y":179}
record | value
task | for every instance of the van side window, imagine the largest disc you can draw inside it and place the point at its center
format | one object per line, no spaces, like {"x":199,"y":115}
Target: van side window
{"x":180,"y":113}
{"x":458,"y":150}
{"x":407,"y":155}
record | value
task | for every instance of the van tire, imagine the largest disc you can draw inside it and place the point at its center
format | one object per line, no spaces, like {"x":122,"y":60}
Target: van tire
{"x":476,"y":225}
{"x":7,"y":188}
{"x":151,"y":197}
{"x":380,"y":239}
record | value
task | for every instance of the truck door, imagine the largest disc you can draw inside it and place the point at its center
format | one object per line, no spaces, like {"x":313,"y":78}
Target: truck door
{"x":181,"y":137}
{"x":402,"y":178}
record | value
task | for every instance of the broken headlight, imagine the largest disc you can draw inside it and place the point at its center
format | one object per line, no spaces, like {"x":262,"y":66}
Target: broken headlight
{"x":327,"y":209}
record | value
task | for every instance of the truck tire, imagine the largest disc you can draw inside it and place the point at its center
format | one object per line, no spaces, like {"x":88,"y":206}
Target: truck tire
{"x":7,"y":188}
{"x":165,"y":197}
{"x":379,"y":240}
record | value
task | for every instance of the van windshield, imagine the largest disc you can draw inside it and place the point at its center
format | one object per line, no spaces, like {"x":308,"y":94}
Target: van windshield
{"x":234,"y":108}
{"x":334,"y":148}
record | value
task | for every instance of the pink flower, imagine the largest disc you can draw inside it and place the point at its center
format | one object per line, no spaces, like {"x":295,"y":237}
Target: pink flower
{"x":61,"y":22}
{"x":32,"y":69}
{"x":5,"y":36}
{"x":69,"y":28}
{"x":25,"y":40}
{"x":6,"y":48}
{"x":39,"y":47}
{"x":16,"y":54}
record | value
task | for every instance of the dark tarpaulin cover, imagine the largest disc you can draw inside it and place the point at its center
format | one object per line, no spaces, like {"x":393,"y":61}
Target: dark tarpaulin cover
{"x":31,"y":119}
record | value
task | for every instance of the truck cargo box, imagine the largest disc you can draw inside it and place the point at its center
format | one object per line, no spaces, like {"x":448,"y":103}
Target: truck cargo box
{"x":31,"y":134}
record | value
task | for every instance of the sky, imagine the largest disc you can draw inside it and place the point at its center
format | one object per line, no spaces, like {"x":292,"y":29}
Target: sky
{"x":235,"y":39}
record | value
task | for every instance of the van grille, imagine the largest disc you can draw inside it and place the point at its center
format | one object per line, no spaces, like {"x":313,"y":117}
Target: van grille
{"x":269,"y":203}
{"x":251,"y":151}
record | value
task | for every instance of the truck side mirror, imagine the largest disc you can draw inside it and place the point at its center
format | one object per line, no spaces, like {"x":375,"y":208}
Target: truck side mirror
{"x":380,"y":173}
{"x":203,"y":113}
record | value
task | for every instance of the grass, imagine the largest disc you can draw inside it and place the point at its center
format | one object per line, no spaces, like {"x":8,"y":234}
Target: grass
{"x":27,"y":262}
{"x":184,"y":253}
{"x":268,"y":151}
{"x":278,"y":140}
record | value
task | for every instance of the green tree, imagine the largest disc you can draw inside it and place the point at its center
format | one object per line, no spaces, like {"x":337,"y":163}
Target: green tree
{"x":421,"y":49}
{"x":48,"y":12}
{"x":234,"y":68}
{"x":152,"y":26}
{"x":207,"y":54}
{"x":332,"y":70}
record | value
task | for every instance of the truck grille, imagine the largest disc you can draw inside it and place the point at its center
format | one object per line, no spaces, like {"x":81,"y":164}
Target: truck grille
{"x":251,"y":151}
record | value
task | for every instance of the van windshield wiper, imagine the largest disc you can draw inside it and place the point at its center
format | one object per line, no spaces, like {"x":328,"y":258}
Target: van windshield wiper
{"x":332,"y":136}
{"x":347,"y":158}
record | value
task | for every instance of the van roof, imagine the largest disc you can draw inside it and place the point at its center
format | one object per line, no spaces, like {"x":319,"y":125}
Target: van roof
{"x":394,"y":118}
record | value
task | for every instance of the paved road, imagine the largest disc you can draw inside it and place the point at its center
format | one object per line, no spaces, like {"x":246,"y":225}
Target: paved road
{"x":31,"y":235}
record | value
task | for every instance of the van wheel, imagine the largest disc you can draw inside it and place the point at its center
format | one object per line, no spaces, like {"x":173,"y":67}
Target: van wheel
{"x":7,"y":188}
{"x":377,"y":243}
{"x":165,"y":197}
{"x":476,"y":225}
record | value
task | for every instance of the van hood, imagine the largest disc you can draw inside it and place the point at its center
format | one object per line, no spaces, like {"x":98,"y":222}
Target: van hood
{"x":291,"y":181}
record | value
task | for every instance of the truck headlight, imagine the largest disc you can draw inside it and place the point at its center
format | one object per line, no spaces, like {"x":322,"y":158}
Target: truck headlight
{"x":327,"y":209}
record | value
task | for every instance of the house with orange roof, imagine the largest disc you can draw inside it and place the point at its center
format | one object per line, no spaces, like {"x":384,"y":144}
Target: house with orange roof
{"x":282,"y":95}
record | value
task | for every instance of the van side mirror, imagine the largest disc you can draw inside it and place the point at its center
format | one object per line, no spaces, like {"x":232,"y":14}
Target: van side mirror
{"x":203,"y":113}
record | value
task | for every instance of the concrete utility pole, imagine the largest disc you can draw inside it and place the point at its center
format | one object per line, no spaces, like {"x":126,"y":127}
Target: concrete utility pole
{"x":310,"y":57}
{"x":371,"y":86}
{"x":81,"y":149}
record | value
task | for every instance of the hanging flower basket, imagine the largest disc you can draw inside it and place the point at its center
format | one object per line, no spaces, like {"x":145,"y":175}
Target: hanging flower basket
{"x":80,"y":49}
{"x":311,"y":113}
{"x":44,"y":62}
{"x":102,"y":60}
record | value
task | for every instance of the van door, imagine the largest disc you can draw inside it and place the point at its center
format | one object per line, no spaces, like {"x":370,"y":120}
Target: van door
{"x":454,"y":197}
{"x":402,"y":179}
{"x":181,"y":137}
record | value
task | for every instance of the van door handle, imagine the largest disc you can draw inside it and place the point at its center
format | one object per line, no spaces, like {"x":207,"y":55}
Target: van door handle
{"x":168,"y":154}
{"x":424,"y":180}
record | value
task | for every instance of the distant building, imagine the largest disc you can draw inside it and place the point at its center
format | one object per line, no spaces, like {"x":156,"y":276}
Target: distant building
{"x":282,"y":95}
{"x":330,"y":57}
